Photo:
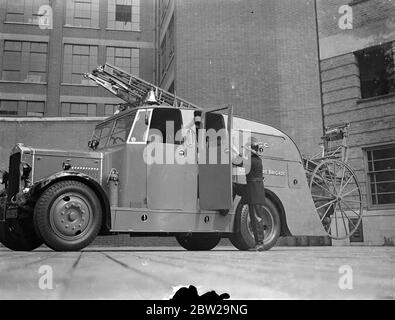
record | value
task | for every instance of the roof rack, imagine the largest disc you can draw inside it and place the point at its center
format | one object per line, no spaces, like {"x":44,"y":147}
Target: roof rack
{"x":132,"y":89}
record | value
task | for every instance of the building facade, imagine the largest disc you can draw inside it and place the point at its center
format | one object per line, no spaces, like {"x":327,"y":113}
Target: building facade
{"x":357,"y":52}
{"x":259,"y":56}
{"x":47,"y":45}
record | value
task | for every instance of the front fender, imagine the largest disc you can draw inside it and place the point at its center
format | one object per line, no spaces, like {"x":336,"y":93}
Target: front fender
{"x":40,"y":186}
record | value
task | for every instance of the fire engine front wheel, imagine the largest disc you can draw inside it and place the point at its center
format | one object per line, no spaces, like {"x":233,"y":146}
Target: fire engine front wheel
{"x":68,"y":216}
{"x":198,"y":242}
{"x":243,"y":237}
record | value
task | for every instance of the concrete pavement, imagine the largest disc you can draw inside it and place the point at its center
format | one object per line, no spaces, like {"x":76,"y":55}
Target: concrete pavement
{"x":155,"y":272}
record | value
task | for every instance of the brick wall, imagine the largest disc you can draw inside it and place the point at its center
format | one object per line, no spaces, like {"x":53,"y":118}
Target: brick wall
{"x":260,"y":56}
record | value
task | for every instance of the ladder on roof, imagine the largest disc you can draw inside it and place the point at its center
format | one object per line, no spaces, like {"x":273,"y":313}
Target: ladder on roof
{"x":132,"y":89}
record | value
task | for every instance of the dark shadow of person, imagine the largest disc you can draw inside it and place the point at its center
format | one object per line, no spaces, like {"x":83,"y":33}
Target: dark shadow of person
{"x":190,"y":294}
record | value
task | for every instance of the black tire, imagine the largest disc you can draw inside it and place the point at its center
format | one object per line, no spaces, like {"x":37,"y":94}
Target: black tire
{"x":19,"y":235}
{"x":68,"y":216}
{"x":243,"y":238}
{"x":198,"y":242}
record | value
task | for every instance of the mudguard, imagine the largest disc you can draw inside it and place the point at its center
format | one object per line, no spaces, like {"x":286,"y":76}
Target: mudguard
{"x":40,"y":186}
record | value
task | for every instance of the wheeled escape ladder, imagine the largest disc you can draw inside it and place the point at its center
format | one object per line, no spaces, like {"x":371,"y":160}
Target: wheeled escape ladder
{"x":133,"y":90}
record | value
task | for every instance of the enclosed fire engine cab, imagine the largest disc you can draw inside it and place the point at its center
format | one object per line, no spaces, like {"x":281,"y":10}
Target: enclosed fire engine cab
{"x":160,"y":167}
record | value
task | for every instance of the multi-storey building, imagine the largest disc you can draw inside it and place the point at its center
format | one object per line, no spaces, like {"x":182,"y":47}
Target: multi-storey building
{"x":357,"y":52}
{"x":46,"y":46}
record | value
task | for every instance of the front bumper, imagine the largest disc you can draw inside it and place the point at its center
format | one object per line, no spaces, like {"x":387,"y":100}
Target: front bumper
{"x":7,"y":210}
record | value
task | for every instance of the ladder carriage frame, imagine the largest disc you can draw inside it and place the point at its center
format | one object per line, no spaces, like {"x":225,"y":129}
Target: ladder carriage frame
{"x":330,"y":177}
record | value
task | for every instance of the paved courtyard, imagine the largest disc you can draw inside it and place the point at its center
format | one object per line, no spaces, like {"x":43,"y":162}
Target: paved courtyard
{"x":155,"y":272}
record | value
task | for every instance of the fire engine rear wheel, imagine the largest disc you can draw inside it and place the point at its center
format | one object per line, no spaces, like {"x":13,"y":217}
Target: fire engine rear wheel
{"x":198,"y":242}
{"x":19,"y":235}
{"x":68,"y":216}
{"x":243,"y":237}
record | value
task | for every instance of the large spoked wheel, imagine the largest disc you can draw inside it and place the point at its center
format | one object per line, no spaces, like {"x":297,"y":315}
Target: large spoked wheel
{"x":198,"y":242}
{"x":68,"y":216}
{"x":337,"y":197}
{"x":243,"y":237}
{"x":18,"y":234}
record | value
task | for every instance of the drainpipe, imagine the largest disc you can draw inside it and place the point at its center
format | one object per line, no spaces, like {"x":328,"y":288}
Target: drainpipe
{"x":319,"y":65}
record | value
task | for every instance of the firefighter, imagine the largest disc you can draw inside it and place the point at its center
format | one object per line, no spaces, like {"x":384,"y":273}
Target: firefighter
{"x":254,"y":193}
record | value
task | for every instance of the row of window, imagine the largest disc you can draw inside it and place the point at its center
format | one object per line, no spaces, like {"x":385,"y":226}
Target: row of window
{"x":166,"y":48}
{"x":11,"y":108}
{"x":122,"y":14}
{"x":27,"y":61}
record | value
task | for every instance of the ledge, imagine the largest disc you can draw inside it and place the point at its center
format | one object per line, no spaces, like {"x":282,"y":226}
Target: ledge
{"x":21,"y":23}
{"x":112,"y":29}
{"x":80,"y":27}
{"x":78,"y":85}
{"x":50,"y":119}
{"x":23,"y":82}
{"x":384,"y":96}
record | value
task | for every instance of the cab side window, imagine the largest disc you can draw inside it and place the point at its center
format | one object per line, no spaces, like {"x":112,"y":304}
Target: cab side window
{"x":140,"y":127}
{"x":166,"y":126}
{"x":121,"y":130}
{"x":215,"y":121}
{"x":215,"y":127}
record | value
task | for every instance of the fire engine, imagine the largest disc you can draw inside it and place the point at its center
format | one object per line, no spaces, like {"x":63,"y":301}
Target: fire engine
{"x":65,"y":199}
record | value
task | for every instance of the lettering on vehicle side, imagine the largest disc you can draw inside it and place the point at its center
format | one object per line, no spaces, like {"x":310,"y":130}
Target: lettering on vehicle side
{"x":270,"y":172}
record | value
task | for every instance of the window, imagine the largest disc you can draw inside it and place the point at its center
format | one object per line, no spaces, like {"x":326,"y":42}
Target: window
{"x":79,"y":110}
{"x":24,"y":11}
{"x":12,"y":108}
{"x":110,"y":109}
{"x":35,"y":109}
{"x":8,"y":108}
{"x":170,"y":37}
{"x":25,"y":61}
{"x":377,"y":72}
{"x":77,"y":61}
{"x":381,"y":174}
{"x":121,"y":129}
{"x":83,"y":13}
{"x":124,"y":15}
{"x":166,"y":123}
{"x":140,"y":127}
{"x":162,"y":57}
{"x":125,"y":58}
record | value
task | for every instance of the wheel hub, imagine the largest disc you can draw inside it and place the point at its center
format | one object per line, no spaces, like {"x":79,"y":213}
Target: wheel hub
{"x":71,"y":215}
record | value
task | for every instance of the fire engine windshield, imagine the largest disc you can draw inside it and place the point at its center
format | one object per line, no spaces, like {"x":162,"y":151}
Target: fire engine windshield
{"x":121,"y":129}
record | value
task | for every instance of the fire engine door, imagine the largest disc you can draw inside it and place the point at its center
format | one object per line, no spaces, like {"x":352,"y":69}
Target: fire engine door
{"x":215,"y":166}
{"x":172,"y":167}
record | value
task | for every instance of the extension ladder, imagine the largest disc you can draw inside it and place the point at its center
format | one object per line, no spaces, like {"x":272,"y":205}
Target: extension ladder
{"x":132,"y":89}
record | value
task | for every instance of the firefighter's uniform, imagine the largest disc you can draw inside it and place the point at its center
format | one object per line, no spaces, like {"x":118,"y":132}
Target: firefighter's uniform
{"x":253,"y":193}
{"x":255,"y":198}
